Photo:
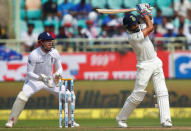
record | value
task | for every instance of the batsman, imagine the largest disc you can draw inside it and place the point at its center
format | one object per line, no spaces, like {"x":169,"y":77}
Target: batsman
{"x":149,"y":66}
{"x":39,"y":76}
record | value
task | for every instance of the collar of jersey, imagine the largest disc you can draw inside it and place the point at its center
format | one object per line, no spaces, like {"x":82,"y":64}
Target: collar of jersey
{"x":41,"y":52}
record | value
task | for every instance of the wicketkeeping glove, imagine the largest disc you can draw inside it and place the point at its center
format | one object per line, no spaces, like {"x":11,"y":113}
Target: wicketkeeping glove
{"x":57,"y":76}
{"x":47,"y":80}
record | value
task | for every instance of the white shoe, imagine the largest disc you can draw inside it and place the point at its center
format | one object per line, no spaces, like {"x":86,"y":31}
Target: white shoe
{"x":167,"y":123}
{"x":75,"y":124}
{"x":9,"y":124}
{"x":122,"y":124}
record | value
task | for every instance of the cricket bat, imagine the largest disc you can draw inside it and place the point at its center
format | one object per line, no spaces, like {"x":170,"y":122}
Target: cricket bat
{"x":115,"y":11}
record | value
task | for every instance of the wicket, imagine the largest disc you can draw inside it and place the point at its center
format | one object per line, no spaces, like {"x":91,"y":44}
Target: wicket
{"x":68,"y":93}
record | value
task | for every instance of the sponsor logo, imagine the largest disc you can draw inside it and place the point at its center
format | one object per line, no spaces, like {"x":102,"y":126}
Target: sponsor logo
{"x":101,"y":60}
{"x":96,"y":75}
{"x":87,"y":66}
{"x":124,"y":75}
{"x":71,"y":64}
{"x":183,"y":66}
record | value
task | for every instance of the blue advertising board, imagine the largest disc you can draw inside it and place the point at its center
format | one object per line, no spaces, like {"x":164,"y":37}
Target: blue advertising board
{"x":182,"y":65}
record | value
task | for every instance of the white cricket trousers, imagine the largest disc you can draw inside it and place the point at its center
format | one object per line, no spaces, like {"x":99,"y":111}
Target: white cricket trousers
{"x":147,"y":70}
{"x":30,"y":88}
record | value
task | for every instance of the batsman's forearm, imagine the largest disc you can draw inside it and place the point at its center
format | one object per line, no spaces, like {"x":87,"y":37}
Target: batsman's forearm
{"x":149,"y":23}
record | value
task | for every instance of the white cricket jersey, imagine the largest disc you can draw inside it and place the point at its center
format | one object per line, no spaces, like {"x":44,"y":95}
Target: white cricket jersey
{"x":40,"y":62}
{"x":142,"y":46}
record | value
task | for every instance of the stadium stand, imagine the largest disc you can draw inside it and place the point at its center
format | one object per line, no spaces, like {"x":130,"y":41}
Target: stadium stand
{"x":114,"y":4}
{"x":34,"y":16}
{"x":130,"y":3}
{"x":151,"y":2}
{"x":165,"y":6}
{"x":98,"y":4}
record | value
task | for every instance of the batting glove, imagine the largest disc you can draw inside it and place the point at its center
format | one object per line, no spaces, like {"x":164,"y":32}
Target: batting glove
{"x":144,"y":9}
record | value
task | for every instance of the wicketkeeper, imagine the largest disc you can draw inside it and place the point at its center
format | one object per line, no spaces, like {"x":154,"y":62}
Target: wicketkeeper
{"x":149,"y":66}
{"x":39,"y":76}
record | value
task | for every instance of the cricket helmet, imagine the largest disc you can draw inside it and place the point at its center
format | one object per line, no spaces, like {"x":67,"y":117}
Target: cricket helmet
{"x":129,"y":20}
{"x":45,"y":36}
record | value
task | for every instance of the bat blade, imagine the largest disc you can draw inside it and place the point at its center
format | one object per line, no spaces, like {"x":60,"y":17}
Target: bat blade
{"x":115,"y":11}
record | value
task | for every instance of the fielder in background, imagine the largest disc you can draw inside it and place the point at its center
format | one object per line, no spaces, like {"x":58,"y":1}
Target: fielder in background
{"x":148,"y":66}
{"x":39,"y":76}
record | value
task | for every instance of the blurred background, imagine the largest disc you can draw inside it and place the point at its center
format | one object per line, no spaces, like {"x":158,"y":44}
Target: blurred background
{"x":95,"y":52}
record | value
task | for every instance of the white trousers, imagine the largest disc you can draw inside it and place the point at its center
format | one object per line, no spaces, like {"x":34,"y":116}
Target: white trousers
{"x":30,"y":88}
{"x":147,"y":70}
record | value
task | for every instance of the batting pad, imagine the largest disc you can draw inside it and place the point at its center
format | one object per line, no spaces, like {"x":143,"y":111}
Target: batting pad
{"x":126,"y":111}
{"x":17,"y":108}
{"x":164,"y":108}
{"x":132,"y":101}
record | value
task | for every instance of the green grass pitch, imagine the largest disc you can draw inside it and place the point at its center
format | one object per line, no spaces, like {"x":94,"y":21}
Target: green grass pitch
{"x":98,"y":125}
{"x":101,"y":124}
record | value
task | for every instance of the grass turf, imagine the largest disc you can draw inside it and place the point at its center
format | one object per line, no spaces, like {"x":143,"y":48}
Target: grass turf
{"x":98,"y":124}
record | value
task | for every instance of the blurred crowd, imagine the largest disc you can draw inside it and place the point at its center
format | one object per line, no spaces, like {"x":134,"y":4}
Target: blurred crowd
{"x":69,"y":19}
{"x":3,"y":34}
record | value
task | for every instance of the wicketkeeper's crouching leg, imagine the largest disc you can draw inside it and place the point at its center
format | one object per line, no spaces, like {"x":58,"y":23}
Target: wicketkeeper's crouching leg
{"x":17,"y":108}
